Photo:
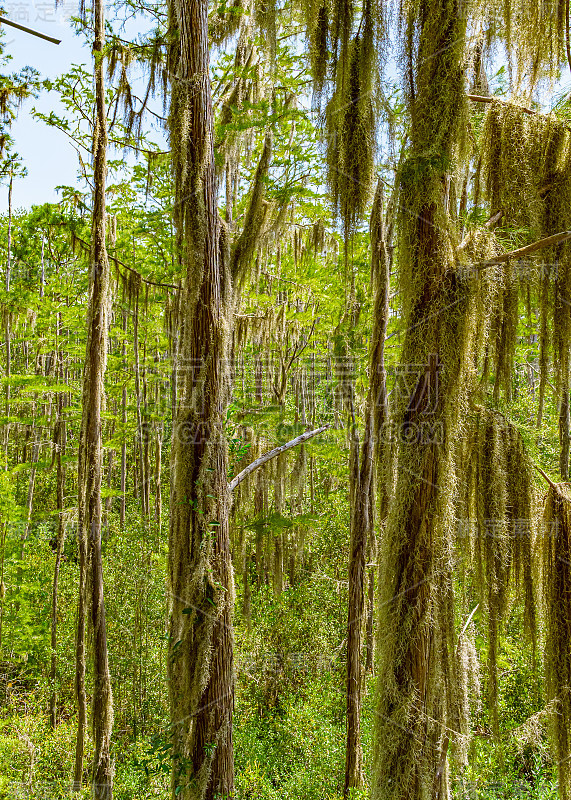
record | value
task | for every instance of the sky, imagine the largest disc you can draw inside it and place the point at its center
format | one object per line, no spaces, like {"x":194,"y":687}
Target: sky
{"x":46,"y":152}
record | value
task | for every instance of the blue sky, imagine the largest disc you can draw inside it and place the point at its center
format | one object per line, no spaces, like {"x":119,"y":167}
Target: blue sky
{"x":48,"y":156}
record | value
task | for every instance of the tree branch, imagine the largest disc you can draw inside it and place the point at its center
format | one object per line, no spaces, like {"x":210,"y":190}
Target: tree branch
{"x":272,"y":454}
{"x":126,"y":266}
{"x":547,"y":478}
{"x":29,"y":30}
{"x":477,"y":98}
{"x":489,"y":224}
{"x":549,"y":241}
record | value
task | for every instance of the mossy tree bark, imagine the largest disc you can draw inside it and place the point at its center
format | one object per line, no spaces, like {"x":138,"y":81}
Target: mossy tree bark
{"x":201,"y":672}
{"x":362,"y":497}
{"x":90,"y":460}
{"x":564,"y":432}
{"x":361,"y":509}
{"x":414,"y":679}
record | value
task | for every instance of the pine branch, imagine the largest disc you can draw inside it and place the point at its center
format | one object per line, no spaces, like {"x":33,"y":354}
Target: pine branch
{"x":272,"y":454}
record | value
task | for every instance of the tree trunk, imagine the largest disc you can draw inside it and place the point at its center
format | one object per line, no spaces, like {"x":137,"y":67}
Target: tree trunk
{"x":361,"y":471}
{"x":564,"y":433}
{"x":369,"y":635}
{"x":90,"y":459}
{"x":124,"y":427}
{"x":8,"y":331}
{"x":140,"y":433}
{"x":59,"y":442}
{"x":157,"y":476}
{"x":201,"y":672}
{"x":411,"y":709}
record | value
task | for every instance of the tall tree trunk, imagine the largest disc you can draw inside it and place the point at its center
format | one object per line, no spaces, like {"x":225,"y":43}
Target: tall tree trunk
{"x":279,"y":500}
{"x":362,"y":496}
{"x":157,"y":475}
{"x":201,"y":672}
{"x":90,"y":460}
{"x":361,"y":475}
{"x":370,"y":628}
{"x":8,"y":331}
{"x":140,"y":432}
{"x":411,"y":709}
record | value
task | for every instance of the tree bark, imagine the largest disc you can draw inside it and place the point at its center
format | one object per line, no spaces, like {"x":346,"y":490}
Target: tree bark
{"x":90,"y":460}
{"x":123,"y":504}
{"x":410,"y":709}
{"x":201,"y":670}
{"x":59,"y":443}
{"x":8,"y":331}
{"x":564,"y":433}
{"x":361,"y":475}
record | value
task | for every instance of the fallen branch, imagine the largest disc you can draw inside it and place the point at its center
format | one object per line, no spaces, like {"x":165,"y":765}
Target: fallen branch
{"x":551,"y":386}
{"x":272,"y":454}
{"x":465,"y":628}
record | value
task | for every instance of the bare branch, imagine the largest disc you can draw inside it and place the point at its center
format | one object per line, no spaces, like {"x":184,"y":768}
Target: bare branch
{"x":549,"y":241}
{"x":29,"y":30}
{"x":547,"y":478}
{"x":272,"y":454}
{"x":476,"y":98}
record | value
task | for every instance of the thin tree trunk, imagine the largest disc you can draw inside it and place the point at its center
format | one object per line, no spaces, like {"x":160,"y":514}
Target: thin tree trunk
{"x":3,"y":531}
{"x":90,"y":461}
{"x":158,"y":467}
{"x":361,"y":472}
{"x":8,"y":331}
{"x":124,"y":427}
{"x":369,"y":635}
{"x":59,"y":442}
{"x":140,"y":433}
{"x":362,"y":496}
{"x":564,"y":433}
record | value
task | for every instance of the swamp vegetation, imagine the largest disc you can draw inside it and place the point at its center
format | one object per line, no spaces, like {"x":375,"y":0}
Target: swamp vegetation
{"x":285,"y":426}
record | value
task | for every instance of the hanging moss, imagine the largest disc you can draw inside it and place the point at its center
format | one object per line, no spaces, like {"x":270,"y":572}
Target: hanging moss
{"x":265,"y":13}
{"x":534,"y":35}
{"x":500,"y":495}
{"x":511,"y":149}
{"x":319,"y":50}
{"x":351,"y":129}
{"x":525,"y":170}
{"x":224,"y":24}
